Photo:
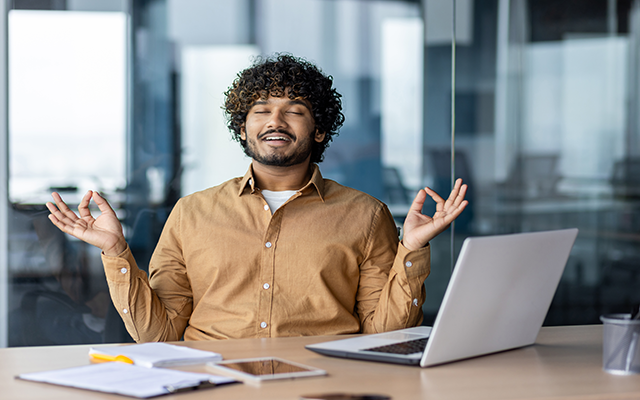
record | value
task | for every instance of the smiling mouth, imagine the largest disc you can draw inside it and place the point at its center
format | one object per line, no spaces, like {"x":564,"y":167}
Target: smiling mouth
{"x":278,"y":138}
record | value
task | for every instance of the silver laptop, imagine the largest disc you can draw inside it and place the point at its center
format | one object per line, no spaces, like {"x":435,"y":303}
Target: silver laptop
{"x":498,"y":296}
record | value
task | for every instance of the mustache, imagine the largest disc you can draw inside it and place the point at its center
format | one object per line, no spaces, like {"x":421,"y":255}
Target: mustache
{"x":280,"y":131}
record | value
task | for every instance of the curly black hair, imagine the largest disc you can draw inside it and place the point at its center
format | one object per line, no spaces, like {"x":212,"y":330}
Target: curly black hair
{"x":272,"y":76}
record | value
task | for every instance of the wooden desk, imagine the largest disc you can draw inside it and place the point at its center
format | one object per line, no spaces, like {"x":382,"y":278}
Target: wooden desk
{"x":566,"y":363}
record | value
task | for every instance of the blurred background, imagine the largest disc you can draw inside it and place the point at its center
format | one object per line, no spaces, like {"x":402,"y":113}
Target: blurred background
{"x":534,"y":103}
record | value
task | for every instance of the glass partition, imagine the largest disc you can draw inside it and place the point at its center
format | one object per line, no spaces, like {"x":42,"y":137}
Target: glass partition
{"x":535,"y":102}
{"x":547,"y":122}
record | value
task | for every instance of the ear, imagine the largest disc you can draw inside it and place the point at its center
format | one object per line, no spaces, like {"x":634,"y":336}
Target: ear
{"x":243,"y":133}
{"x":319,"y":137}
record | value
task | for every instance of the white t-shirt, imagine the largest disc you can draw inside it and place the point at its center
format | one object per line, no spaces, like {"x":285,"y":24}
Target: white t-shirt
{"x":276,"y":199}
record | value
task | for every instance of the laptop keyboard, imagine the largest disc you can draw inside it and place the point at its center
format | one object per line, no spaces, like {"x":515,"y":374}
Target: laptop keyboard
{"x":410,"y":347}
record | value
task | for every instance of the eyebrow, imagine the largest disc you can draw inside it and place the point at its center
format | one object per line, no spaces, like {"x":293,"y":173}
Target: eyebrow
{"x":294,"y":101}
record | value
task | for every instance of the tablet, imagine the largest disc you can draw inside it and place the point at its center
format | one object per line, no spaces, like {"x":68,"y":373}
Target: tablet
{"x":263,"y":369}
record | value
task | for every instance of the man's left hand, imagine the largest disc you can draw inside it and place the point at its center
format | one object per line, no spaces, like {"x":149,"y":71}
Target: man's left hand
{"x":419,"y":229}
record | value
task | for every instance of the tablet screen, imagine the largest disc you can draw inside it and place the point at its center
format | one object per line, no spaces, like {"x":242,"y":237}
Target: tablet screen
{"x":267,"y":368}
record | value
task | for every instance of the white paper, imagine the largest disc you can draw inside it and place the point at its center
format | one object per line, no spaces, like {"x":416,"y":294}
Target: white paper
{"x":124,"y":379}
{"x":159,"y":354}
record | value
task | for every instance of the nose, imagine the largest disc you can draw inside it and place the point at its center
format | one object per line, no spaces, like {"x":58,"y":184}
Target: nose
{"x":276,"y":120}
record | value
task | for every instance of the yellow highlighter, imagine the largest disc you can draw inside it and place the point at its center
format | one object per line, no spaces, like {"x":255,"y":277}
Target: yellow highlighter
{"x":104,"y":357}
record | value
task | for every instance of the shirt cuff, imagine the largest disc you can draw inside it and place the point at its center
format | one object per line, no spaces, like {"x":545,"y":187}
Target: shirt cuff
{"x":413,"y":264}
{"x":118,"y":268}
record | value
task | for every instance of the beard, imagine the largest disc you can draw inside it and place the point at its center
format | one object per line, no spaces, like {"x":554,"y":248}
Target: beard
{"x":276,"y":158}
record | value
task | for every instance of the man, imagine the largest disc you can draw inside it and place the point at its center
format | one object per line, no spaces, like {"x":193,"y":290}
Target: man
{"x":280,"y":251}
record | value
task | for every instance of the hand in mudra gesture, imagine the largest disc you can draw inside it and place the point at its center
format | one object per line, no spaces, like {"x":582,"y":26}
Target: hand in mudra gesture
{"x":419,"y":229}
{"x":104,"y":232}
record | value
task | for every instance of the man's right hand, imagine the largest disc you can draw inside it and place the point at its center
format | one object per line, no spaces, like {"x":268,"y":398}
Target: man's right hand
{"x":104,"y":232}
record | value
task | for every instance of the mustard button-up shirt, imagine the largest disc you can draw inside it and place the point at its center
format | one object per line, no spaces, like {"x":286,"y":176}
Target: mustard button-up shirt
{"x":328,"y":261}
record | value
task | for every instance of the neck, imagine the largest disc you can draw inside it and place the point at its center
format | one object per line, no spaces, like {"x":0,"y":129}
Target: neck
{"x":281,"y":178}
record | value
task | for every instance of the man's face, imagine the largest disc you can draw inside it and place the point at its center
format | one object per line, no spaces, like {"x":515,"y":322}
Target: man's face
{"x":280,"y":131}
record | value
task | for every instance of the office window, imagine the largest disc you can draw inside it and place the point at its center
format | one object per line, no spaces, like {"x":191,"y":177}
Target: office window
{"x":67,"y":93}
{"x":545,"y":102}
{"x":67,"y":124}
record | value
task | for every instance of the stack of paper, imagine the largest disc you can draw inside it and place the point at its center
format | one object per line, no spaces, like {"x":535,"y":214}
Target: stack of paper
{"x":157,"y":354}
{"x":128,"y":380}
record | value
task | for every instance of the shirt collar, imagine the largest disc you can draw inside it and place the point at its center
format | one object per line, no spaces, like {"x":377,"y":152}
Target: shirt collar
{"x":247,"y":180}
{"x":316,"y":181}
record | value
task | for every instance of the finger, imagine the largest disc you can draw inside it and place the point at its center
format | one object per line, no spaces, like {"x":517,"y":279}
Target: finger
{"x":83,"y":207}
{"x":456,"y":188}
{"x":460,"y":198}
{"x":418,"y":202}
{"x":62,"y":206}
{"x":454,"y":191}
{"x":53,"y":210}
{"x":51,"y":207}
{"x":65,"y":219}
{"x":58,"y":222}
{"x":453,"y":214}
{"x":102,"y":204}
{"x":436,"y":197}
{"x":64,"y":211}
{"x":456,"y":196}
{"x":454,"y":202}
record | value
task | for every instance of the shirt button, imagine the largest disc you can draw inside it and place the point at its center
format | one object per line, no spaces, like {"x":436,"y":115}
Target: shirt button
{"x":263,"y":325}
{"x":123,"y":270}
{"x":124,"y":311}
{"x":408,"y":264}
{"x":266,"y":286}
{"x":268,"y":245}
{"x":266,"y":207}
{"x":415,"y":302}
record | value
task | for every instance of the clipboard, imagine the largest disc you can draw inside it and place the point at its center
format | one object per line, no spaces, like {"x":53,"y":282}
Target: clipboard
{"x":128,"y":380}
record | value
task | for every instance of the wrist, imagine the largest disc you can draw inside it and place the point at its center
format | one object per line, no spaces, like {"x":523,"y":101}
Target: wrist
{"x":116,"y":249}
{"x":412,"y":246}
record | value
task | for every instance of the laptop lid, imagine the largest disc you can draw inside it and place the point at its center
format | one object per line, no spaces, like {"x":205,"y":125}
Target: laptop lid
{"x":499,"y":294}
{"x":497,"y":298}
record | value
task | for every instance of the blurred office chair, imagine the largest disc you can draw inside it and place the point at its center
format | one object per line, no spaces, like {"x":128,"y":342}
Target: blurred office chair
{"x":394,"y":190}
{"x":52,"y":318}
{"x":625,"y":178}
{"x":47,"y":317}
{"x":533,"y":176}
